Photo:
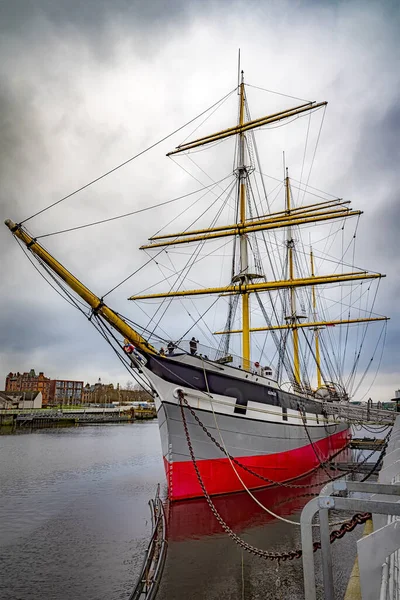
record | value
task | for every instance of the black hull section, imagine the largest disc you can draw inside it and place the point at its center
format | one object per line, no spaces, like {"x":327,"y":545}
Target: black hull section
{"x":224,"y":384}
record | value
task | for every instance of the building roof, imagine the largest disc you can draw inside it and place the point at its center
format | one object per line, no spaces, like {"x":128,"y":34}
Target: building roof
{"x":28,"y":396}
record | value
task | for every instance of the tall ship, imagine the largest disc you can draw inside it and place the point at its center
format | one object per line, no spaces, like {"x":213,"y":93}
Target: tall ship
{"x":253,"y":408}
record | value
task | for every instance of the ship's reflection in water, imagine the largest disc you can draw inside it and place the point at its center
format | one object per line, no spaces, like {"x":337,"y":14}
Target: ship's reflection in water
{"x":193,"y":519}
{"x":204,"y":562}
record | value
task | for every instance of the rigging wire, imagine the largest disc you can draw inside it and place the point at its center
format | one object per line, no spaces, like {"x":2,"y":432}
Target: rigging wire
{"x":277,"y":93}
{"x":315,"y":150}
{"x":208,"y":188}
{"x":353,"y":240}
{"x":188,"y":266}
{"x":72,"y":301}
{"x":200,"y":169}
{"x":128,"y":160}
{"x":190,"y":299}
{"x":209,"y":116}
{"x":202,"y":257}
{"x":351,"y":378}
{"x":75,"y":303}
{"x":158,"y":253}
{"x":272,"y":259}
{"x":383,"y":332}
{"x":304,"y":156}
{"x":102,"y":328}
{"x":233,"y":301}
{"x":268,"y":127}
{"x":26,"y":252}
{"x":129,"y":214}
{"x":306,"y":189}
{"x":199,"y":319}
{"x":178,"y":164}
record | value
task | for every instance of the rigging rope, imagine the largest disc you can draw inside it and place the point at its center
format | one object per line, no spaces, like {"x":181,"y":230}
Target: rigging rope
{"x":315,"y":150}
{"x":277,"y":93}
{"x":128,"y":160}
{"x":145,"y":264}
{"x":129,"y":214}
{"x":192,"y":258}
{"x":345,"y":526}
{"x":304,"y":156}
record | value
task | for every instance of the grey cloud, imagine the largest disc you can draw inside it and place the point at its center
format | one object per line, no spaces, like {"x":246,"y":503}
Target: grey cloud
{"x":62,"y":128}
{"x":92,"y":15}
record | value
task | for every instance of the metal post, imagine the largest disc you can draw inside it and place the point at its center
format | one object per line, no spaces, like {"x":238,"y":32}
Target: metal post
{"x":307,"y":515}
{"x":326,"y":502}
{"x":326,"y":555}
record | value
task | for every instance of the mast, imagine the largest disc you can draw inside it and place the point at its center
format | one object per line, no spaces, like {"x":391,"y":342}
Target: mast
{"x":242,"y":283}
{"x":293,"y":315}
{"x":316,"y":330}
{"x":243,"y":276}
{"x":96,"y":303}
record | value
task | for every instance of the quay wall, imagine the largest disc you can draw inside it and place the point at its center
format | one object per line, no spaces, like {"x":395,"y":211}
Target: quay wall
{"x":28,"y":420}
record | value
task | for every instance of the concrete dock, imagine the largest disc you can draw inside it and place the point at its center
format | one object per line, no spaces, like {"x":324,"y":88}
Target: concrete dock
{"x":26,"y":419}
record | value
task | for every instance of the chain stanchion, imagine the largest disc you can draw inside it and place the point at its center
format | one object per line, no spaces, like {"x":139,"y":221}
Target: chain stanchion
{"x":272,"y":482}
{"x":346,"y":527}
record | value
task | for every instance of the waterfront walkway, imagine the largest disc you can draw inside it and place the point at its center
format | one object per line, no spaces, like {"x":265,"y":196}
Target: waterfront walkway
{"x":376,"y":575}
{"x":20,"y":419}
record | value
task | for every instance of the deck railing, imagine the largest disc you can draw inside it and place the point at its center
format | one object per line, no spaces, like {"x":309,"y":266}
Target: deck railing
{"x":153,"y":564}
{"x":378,"y":552}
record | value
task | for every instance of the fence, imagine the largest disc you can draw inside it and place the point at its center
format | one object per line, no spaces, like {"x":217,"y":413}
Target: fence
{"x":378,"y":552}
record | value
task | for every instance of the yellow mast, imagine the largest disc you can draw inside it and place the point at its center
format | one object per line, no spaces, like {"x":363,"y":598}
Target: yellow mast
{"x":91,"y":299}
{"x":243,"y":276}
{"x":311,"y":324}
{"x":262,"y":121}
{"x":290,"y":217}
{"x":255,"y":225}
{"x":320,"y":208}
{"x":242,"y":283}
{"x":316,"y":330}
{"x":265,"y":286}
{"x":293,"y":315}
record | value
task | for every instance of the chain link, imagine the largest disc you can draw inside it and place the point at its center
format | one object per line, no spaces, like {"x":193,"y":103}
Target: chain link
{"x":346,"y":527}
{"x":272,"y":482}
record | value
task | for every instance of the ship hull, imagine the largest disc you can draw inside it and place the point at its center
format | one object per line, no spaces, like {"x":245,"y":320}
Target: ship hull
{"x":265,"y":455}
{"x":279,"y":445}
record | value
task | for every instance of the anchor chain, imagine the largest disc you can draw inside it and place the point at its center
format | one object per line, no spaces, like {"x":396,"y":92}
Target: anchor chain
{"x":346,"y":527}
{"x":271,"y":482}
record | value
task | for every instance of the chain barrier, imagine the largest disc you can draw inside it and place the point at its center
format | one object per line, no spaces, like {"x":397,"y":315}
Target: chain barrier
{"x":346,"y":527}
{"x":272,"y":482}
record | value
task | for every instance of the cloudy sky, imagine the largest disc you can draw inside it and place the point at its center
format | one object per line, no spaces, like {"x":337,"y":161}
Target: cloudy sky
{"x":84,"y":86}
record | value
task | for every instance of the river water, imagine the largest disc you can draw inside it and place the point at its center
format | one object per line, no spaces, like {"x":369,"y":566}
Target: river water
{"x":75,"y":522}
{"x":74,"y":519}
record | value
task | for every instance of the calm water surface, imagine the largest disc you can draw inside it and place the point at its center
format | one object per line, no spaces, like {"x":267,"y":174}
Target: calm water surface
{"x":74,"y":519}
{"x":74,"y":523}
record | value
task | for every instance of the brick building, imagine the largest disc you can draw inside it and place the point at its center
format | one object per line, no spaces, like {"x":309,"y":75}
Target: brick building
{"x":29,"y":382}
{"x":65,"y":391}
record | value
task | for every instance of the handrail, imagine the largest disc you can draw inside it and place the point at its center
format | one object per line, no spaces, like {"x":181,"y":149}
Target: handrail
{"x":153,"y":565}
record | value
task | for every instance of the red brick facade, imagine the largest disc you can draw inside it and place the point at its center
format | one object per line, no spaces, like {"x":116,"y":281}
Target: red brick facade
{"x":29,"y":382}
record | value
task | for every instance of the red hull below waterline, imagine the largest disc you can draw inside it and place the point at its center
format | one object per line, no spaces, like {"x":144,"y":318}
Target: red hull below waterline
{"x":219,"y":476}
